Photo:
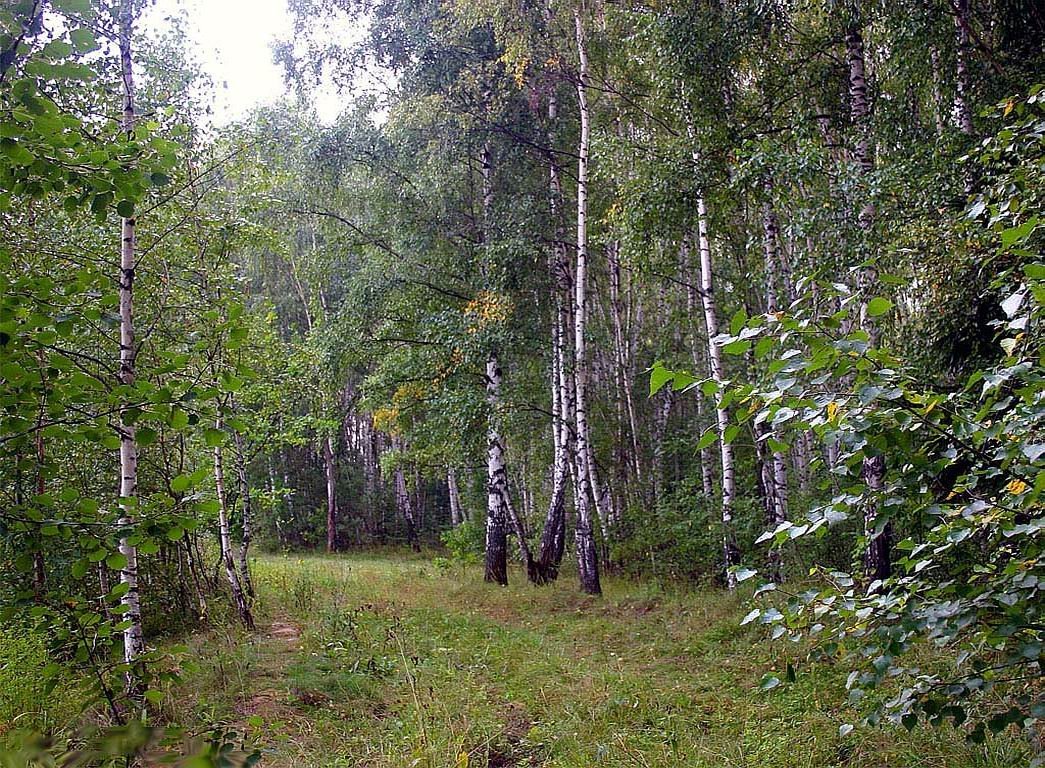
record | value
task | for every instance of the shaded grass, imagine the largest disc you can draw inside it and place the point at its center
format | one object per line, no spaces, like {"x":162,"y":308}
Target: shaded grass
{"x":395,"y":662}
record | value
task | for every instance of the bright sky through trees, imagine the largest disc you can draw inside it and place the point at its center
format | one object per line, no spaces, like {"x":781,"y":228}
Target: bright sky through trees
{"x":232,"y":39}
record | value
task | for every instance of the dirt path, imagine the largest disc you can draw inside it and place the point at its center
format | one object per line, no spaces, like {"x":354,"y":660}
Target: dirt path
{"x":275,"y":649}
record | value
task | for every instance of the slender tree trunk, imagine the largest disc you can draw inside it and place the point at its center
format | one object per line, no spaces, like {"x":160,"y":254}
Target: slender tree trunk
{"x":330,"y":472}
{"x":706,"y":460}
{"x":244,"y":489}
{"x":496,"y":483}
{"x":587,"y":558}
{"x":405,"y":505}
{"x":877,"y":562}
{"x":553,"y":535}
{"x":962,"y":96}
{"x":133,"y":635}
{"x":456,"y":518}
{"x":729,"y":547}
{"x":239,"y":599}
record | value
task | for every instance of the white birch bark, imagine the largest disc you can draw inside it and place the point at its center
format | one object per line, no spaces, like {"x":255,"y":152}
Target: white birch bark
{"x":133,"y":635}
{"x":239,"y":598}
{"x":456,"y":517}
{"x":587,"y":559}
{"x":718,"y":376}
{"x":246,"y":513}
{"x":877,"y":562}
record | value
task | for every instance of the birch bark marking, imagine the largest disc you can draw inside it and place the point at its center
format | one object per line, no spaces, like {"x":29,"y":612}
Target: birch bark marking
{"x":587,"y":559}
{"x":133,"y":636}
{"x":225,"y":541}
{"x":729,"y":548}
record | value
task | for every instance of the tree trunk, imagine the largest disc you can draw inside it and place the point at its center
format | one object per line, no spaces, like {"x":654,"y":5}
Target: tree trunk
{"x":456,"y":517}
{"x":962,"y":96}
{"x":553,"y":535}
{"x":405,"y":506}
{"x":496,"y":483}
{"x":330,"y":471}
{"x":877,"y":553}
{"x":587,"y":559}
{"x":133,"y":635}
{"x":239,"y":599}
{"x":729,"y":547}
{"x":247,"y":518}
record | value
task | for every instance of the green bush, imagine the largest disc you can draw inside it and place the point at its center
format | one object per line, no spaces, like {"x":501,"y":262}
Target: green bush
{"x":465,"y":542}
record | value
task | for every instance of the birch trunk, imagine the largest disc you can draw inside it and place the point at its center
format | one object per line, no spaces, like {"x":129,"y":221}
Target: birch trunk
{"x":877,"y":563}
{"x":496,"y":483}
{"x":553,"y":535}
{"x":962,"y":96}
{"x":330,"y":471}
{"x":699,"y":367}
{"x":247,"y":516}
{"x":133,"y":636}
{"x":729,"y":548}
{"x":456,"y":518}
{"x":239,"y":599}
{"x":587,"y":558}
{"x":405,"y":506}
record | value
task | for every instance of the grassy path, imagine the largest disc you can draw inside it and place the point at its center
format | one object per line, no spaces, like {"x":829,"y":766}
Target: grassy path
{"x":373,"y":661}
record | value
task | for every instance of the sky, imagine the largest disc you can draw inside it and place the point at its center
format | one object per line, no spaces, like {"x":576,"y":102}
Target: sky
{"x":232,"y":40}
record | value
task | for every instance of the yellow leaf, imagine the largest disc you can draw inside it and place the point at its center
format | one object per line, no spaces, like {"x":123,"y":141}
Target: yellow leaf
{"x":462,"y":760}
{"x":1016,"y":487}
{"x":832,"y":410}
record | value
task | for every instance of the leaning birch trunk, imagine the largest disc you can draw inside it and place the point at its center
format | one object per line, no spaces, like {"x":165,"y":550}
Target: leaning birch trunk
{"x":406,"y":509}
{"x":130,"y":602}
{"x":587,"y":559}
{"x":877,"y":563}
{"x":330,"y":471}
{"x":729,"y":548}
{"x":239,"y":599}
{"x":247,"y":517}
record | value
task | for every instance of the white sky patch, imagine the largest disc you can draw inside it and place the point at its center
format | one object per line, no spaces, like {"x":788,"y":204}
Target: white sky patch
{"x":232,"y":40}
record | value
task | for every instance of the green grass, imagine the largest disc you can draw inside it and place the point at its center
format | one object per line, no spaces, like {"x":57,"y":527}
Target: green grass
{"x":390,"y":661}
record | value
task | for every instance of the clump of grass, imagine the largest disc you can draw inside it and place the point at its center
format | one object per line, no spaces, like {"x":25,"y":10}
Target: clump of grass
{"x":36,"y":693}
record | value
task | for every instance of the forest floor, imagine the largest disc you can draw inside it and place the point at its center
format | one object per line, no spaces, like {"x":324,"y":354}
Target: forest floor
{"x":383,"y":660}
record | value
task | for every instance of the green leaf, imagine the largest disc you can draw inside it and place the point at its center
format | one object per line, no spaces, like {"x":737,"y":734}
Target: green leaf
{"x":659,"y":376}
{"x":213,"y":437}
{"x":181,"y":483}
{"x":117,"y":561}
{"x":125,"y":208}
{"x":878,"y":306}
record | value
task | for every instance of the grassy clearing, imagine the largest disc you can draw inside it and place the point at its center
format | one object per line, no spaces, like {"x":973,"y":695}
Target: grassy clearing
{"x":380,"y":661}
